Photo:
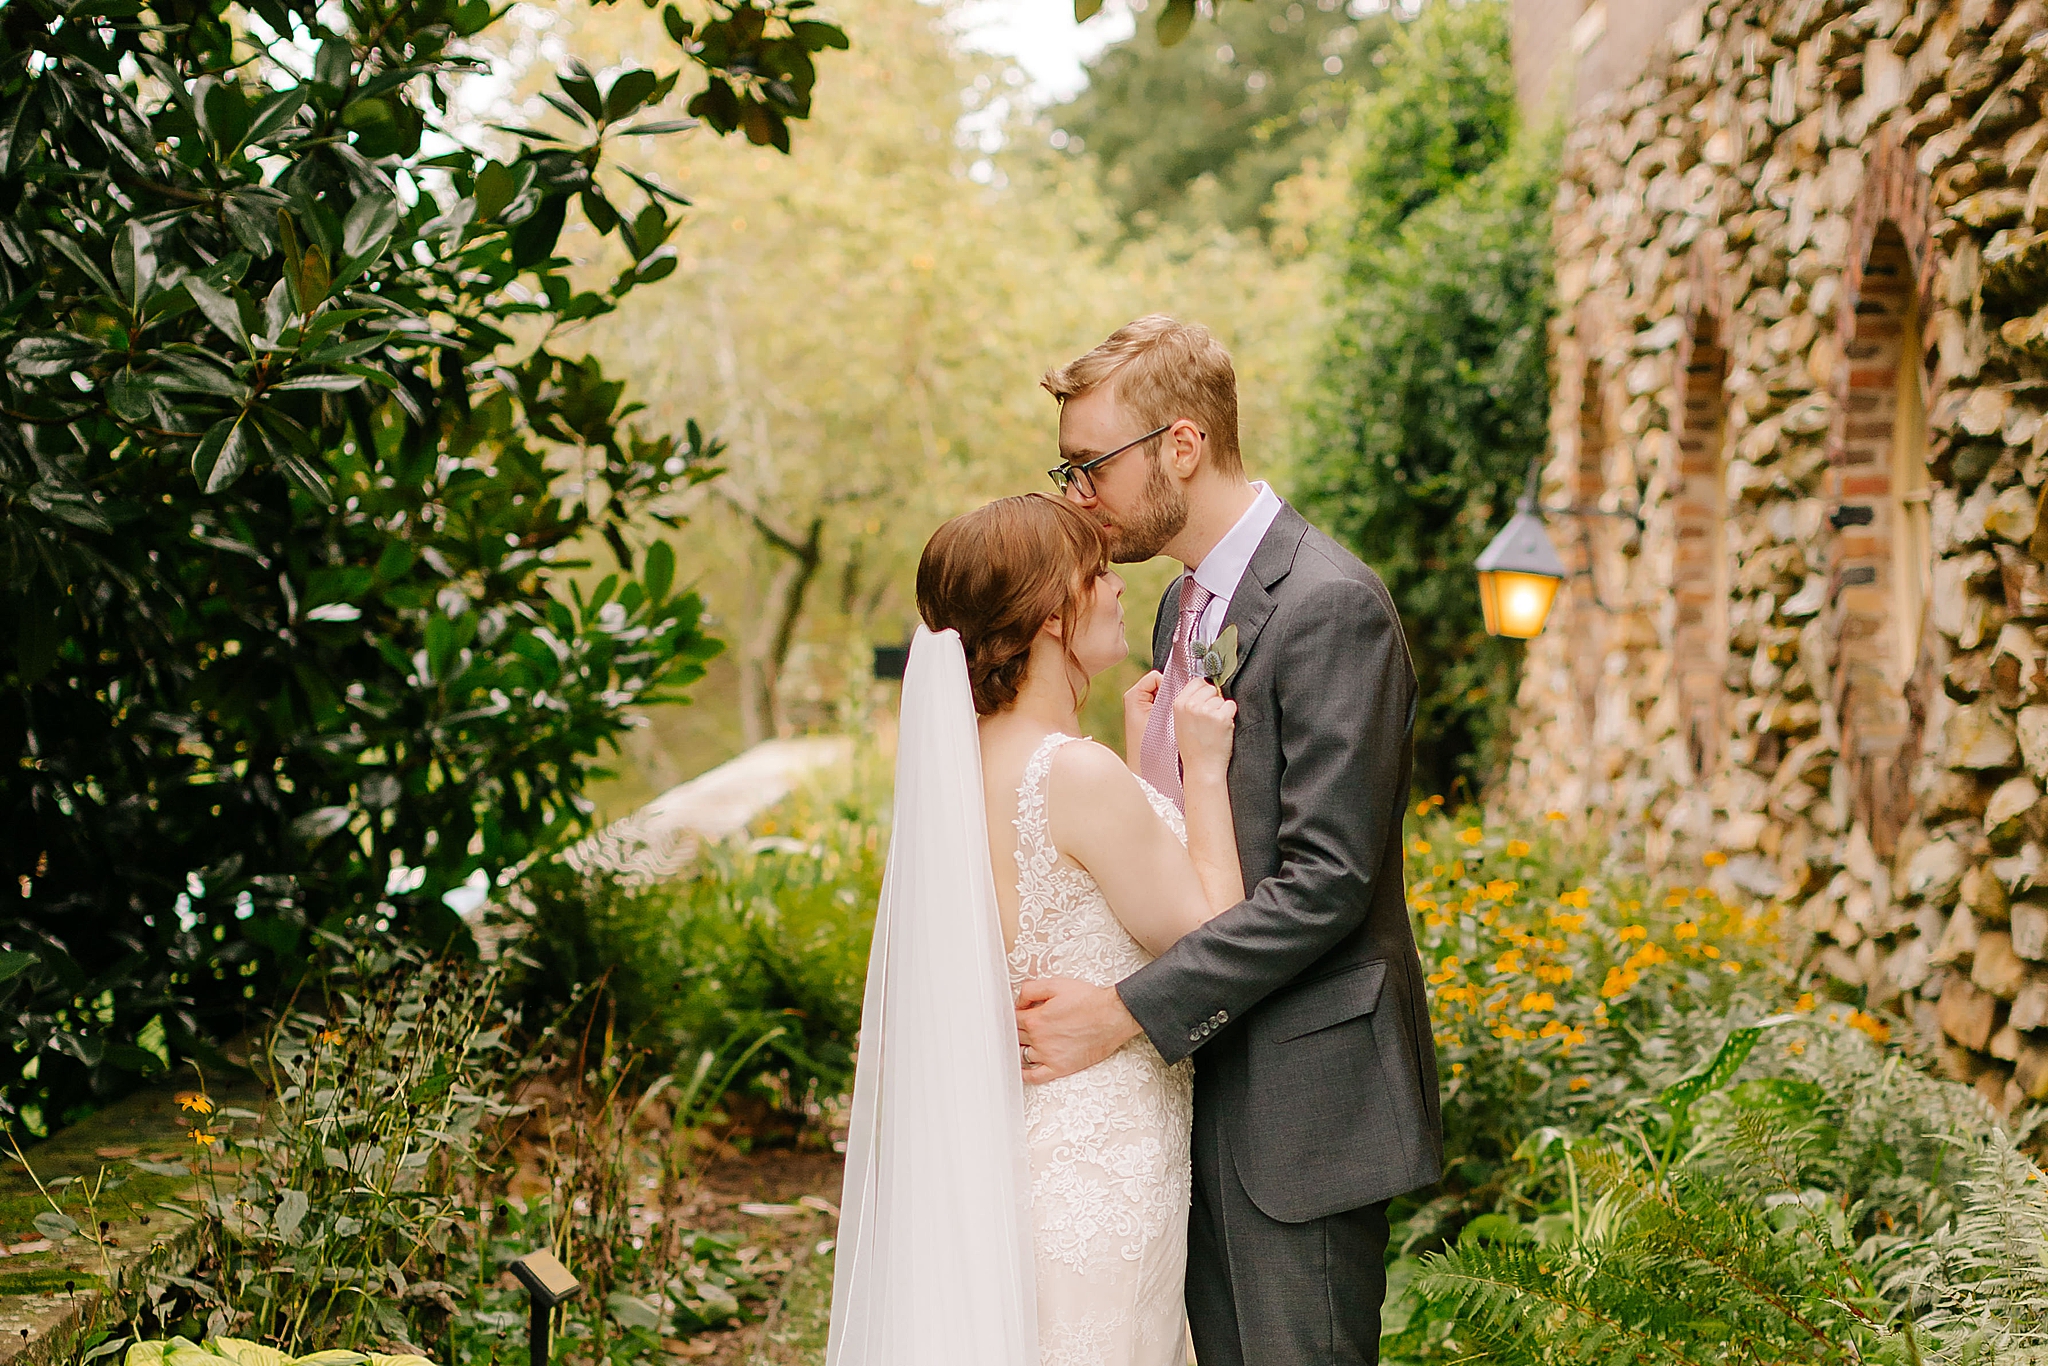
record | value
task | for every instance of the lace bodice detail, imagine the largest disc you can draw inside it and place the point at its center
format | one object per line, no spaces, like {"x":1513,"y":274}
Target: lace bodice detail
{"x":1108,"y":1146}
{"x":1065,"y":927}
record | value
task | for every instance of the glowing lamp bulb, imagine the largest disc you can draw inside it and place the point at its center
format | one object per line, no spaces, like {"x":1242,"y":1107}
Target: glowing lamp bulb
{"x":1518,"y":578}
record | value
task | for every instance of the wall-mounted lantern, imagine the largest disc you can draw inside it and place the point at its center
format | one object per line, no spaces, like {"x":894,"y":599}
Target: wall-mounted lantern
{"x":1518,"y":576}
{"x":1519,"y":571}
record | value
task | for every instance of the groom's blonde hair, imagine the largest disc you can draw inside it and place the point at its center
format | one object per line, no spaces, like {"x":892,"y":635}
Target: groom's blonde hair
{"x":1164,"y":370}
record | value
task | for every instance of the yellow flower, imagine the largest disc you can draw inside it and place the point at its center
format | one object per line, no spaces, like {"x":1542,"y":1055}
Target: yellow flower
{"x":1471,"y":834}
{"x":1805,"y":1003}
{"x":1422,"y":807}
{"x":1570,"y":924}
{"x":330,"y":1036}
{"x":1731,"y":966}
{"x":1457,"y":1068}
{"x":203,"y":1138}
{"x":1518,"y":849}
{"x":1713,"y":858}
{"x":1629,"y":932}
{"x":1578,"y":898}
{"x":1419,"y":847}
{"x":1511,"y":961}
{"x":1685,"y":930}
{"x":1648,"y":956}
{"x":1677,"y":898}
{"x":1710,"y":951}
{"x":1537,"y":1001}
{"x":1500,"y":889}
{"x":1796,"y":1047}
{"x":1877,"y":1029}
{"x":195,"y":1101}
{"x":1619,"y":980}
{"x":1579,"y":1083}
{"x":1553,"y":815}
{"x":1554,"y":973}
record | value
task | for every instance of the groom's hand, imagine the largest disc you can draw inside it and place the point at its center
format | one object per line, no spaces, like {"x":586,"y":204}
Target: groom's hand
{"x":1069,"y":1026}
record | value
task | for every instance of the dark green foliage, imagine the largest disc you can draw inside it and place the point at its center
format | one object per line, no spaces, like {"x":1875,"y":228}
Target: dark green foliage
{"x":1435,"y":384}
{"x":1158,"y":119}
{"x":1687,"y":1272}
{"x":283,"y":500}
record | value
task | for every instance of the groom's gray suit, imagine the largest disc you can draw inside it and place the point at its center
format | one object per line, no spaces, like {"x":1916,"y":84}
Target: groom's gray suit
{"x":1315,"y":1074}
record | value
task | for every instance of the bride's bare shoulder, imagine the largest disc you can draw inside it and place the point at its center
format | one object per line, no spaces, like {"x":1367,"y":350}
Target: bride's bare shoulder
{"x":1093,"y":776}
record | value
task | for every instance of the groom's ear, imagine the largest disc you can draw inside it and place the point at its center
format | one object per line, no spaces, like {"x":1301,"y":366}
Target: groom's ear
{"x":1186,"y":447}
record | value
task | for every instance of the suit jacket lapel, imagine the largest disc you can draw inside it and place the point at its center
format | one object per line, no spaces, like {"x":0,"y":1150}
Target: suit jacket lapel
{"x":1163,"y":623}
{"x":1251,"y":606}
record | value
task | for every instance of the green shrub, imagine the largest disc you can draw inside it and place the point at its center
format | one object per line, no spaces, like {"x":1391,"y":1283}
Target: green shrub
{"x":759,"y":950}
{"x":1433,"y":384}
{"x":292,"y":463}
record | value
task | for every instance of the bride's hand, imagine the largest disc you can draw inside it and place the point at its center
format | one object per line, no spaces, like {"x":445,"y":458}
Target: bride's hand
{"x":1139,"y":700}
{"x":1203,"y":723}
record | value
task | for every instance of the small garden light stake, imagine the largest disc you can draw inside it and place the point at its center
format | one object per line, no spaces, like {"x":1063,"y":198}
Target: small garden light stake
{"x":547,"y":1283}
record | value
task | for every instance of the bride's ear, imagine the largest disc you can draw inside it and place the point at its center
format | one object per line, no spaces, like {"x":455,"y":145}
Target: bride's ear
{"x":1054,"y":627}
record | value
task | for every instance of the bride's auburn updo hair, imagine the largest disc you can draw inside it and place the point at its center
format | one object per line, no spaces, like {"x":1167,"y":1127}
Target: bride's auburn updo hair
{"x":998,"y":573}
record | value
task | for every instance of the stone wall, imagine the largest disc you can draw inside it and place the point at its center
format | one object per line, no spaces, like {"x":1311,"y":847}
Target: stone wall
{"x":1802,"y":269}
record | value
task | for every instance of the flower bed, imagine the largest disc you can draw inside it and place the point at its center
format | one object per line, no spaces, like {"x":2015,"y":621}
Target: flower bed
{"x":1663,"y":1149}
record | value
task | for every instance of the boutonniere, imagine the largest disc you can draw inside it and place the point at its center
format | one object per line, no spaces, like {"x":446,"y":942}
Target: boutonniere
{"x":1217,"y":661}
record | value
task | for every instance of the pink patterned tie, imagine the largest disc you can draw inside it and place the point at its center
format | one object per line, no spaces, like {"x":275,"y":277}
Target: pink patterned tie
{"x":1159,"y":755}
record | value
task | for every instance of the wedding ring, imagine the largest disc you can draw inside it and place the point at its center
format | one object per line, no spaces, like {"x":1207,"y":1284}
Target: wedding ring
{"x":1028,"y":1059}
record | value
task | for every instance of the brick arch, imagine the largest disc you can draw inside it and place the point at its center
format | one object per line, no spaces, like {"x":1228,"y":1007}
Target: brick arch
{"x":1586,"y":481}
{"x":1700,"y":577}
{"x":1883,"y":672}
{"x":1700,"y":570}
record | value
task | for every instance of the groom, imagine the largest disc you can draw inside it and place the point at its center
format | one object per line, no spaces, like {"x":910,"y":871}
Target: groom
{"x":1303,"y":1006}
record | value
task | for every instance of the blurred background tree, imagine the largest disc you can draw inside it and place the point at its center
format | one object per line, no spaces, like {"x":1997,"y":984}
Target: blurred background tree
{"x":1433,"y":379}
{"x":864,"y":324}
{"x":1205,"y":130}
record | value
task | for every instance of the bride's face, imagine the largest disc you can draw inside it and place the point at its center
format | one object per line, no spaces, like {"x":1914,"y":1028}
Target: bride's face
{"x":1099,"y":641}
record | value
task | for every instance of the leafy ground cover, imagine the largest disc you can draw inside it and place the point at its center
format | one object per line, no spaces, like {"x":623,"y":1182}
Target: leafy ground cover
{"x":1663,"y":1149}
{"x":411,"y":1124}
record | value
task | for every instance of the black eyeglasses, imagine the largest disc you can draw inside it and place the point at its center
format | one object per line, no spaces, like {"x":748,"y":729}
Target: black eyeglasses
{"x":1082,"y":476}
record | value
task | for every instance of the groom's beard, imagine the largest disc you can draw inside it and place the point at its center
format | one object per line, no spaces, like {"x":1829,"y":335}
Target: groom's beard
{"x":1162,"y":511}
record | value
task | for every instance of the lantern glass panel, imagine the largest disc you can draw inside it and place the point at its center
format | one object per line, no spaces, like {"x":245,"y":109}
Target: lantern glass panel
{"x":1515,"y":604}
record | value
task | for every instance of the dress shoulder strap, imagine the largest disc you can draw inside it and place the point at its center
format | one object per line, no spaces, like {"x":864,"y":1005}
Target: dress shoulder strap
{"x":1035,"y":854}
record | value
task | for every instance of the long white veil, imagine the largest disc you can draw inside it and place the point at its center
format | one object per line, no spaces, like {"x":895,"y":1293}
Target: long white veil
{"x":934,"y":1252}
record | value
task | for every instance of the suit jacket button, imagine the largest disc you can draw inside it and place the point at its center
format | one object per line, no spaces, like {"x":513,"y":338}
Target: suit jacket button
{"x":1194,"y":1036}
{"x":1222,"y":1017}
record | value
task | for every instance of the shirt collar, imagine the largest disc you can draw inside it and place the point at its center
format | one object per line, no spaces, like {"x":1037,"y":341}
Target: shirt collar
{"x":1223,"y":567}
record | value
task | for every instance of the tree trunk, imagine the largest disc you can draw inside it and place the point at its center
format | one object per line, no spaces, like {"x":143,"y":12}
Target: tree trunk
{"x":767,"y":649}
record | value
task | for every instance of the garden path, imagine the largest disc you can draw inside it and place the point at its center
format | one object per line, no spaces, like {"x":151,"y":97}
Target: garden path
{"x":48,"y":1284}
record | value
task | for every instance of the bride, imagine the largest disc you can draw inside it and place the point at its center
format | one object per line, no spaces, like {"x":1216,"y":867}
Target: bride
{"x":981,"y":1225}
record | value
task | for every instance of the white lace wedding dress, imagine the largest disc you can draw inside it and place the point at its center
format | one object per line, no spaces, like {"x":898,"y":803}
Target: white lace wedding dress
{"x":1108,"y":1147}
